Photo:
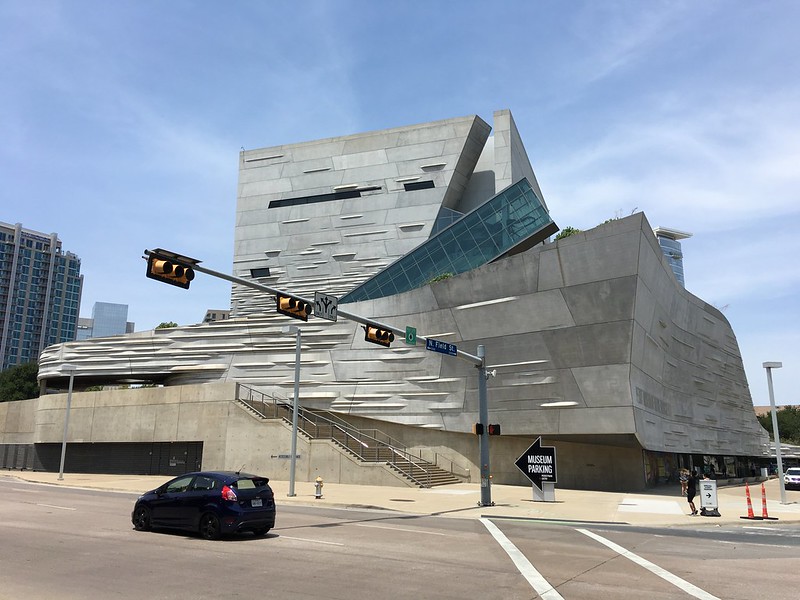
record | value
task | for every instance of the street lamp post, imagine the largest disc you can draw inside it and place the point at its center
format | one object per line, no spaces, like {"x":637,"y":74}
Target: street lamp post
{"x":776,"y":434}
{"x":70,"y":369}
{"x":293,"y":458}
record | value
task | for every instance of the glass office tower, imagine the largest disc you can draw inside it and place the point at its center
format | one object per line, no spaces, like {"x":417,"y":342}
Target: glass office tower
{"x":107,"y":319}
{"x":668,"y":239}
{"x":40,"y":293}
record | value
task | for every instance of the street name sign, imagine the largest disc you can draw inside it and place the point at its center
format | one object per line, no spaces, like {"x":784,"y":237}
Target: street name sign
{"x":538,"y":464}
{"x":442,"y":347}
{"x":325,"y":306}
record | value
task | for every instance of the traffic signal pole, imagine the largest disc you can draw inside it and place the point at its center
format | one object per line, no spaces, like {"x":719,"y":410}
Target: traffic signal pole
{"x":478,"y":361}
{"x":483,"y":412}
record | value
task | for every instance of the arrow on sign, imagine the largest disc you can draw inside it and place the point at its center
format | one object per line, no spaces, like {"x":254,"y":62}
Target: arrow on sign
{"x":538,"y":464}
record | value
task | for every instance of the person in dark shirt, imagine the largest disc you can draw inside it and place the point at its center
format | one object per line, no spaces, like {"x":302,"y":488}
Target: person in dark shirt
{"x":691,"y":491}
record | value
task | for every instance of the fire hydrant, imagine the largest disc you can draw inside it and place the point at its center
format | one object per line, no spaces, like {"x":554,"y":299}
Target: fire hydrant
{"x":318,"y":487}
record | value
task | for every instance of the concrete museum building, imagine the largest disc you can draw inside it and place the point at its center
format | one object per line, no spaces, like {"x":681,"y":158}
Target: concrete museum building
{"x":592,"y":341}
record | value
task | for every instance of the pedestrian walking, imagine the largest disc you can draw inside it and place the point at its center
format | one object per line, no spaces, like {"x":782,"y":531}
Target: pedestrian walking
{"x":684,"y":479}
{"x":691,"y":491}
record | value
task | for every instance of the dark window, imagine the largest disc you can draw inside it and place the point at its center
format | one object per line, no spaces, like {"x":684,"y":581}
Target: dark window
{"x":262,"y":272}
{"x":343,"y":195}
{"x":203,"y":483}
{"x":418,"y":185}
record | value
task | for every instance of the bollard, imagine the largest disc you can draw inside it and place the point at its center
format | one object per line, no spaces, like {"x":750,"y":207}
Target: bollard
{"x":318,"y":487}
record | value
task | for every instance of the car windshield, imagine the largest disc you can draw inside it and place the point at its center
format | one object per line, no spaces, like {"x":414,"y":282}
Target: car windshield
{"x":793,"y":471}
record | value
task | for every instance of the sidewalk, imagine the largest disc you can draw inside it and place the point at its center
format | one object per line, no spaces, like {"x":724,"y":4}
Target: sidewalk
{"x":662,"y":507}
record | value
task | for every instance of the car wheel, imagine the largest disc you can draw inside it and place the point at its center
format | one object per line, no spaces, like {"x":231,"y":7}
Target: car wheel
{"x":210,"y":527}
{"x":141,"y":519}
{"x":261,"y":531}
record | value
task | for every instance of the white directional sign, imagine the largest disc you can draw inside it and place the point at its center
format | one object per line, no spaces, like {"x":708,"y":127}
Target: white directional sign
{"x":708,"y":494}
{"x":325,"y":307}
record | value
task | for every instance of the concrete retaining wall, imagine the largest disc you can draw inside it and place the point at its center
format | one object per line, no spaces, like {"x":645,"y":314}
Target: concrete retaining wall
{"x":234,"y":439}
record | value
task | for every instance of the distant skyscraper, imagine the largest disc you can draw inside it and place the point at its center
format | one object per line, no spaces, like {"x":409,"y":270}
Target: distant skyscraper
{"x":671,"y":247}
{"x":107,"y":319}
{"x":40,"y":293}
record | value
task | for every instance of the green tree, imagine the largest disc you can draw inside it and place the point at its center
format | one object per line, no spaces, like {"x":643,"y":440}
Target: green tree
{"x":788,"y":423}
{"x":566,"y":232}
{"x":19,"y":382}
{"x":167,"y":324}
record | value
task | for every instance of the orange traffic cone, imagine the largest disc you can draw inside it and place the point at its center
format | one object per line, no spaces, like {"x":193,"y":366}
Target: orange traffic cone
{"x":764,"y":514}
{"x":750,"y":514}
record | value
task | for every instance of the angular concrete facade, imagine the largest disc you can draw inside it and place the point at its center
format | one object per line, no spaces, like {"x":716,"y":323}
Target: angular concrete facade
{"x":596,"y":344}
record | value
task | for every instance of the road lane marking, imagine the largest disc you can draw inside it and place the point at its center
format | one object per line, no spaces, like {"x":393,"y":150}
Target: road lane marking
{"x":297,"y":539}
{"x":682,"y":584}
{"x":54,"y":506}
{"x":401,"y":529}
{"x":528,"y":571}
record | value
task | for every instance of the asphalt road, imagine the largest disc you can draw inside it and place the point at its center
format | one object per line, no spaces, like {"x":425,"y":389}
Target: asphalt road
{"x":60,"y":543}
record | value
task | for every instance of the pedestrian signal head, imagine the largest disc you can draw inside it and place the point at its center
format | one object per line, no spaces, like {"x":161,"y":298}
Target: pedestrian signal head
{"x":494,"y":429}
{"x":376,"y":335}
{"x":167,"y":270}
{"x":477,"y":428}
{"x":293,"y":307}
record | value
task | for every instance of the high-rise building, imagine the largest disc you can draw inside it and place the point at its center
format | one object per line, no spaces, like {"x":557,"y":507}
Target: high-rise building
{"x":669,"y":240}
{"x":107,"y":319}
{"x":40,"y":293}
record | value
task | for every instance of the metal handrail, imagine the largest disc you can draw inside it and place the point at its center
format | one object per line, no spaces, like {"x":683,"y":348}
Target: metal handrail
{"x":437,"y":458}
{"x":270,"y":409}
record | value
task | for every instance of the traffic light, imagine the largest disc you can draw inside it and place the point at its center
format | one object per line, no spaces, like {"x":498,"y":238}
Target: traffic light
{"x":494,"y":429}
{"x":477,"y":428}
{"x":293,"y":307}
{"x":167,"y":270}
{"x":376,"y":335}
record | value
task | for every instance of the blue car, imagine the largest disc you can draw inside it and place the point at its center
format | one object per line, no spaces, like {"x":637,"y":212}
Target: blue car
{"x":211,"y":503}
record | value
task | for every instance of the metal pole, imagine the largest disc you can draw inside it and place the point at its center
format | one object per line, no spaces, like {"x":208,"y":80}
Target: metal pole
{"x":66,"y":426}
{"x":293,"y":461}
{"x":483,"y":411}
{"x":775,"y":432}
{"x":340,"y":311}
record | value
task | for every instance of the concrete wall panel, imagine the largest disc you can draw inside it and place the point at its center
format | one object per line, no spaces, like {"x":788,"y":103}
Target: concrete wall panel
{"x":605,"y":385}
{"x":601,"y":301}
{"x":17,"y":421}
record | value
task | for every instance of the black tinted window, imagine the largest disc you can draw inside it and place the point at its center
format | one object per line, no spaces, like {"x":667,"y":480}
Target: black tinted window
{"x":203,"y":483}
{"x":179,"y":485}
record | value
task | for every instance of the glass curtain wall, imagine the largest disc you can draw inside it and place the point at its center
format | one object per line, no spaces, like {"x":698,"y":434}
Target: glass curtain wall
{"x":481,"y":236}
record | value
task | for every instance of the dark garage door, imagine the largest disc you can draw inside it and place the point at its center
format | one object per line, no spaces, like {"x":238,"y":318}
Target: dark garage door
{"x":153,"y":458}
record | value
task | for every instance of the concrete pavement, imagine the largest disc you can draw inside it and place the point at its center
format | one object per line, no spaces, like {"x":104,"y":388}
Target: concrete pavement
{"x":664,"y":506}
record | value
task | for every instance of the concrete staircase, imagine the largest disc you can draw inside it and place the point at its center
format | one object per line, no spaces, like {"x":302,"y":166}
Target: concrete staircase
{"x":367,"y":447}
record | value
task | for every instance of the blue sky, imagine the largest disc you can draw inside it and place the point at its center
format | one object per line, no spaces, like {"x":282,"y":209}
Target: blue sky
{"x":122,"y":123}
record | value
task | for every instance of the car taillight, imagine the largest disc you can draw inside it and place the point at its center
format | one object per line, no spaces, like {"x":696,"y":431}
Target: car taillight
{"x":228,"y":494}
